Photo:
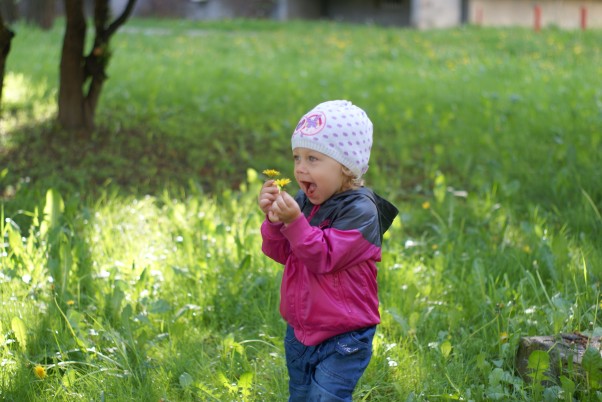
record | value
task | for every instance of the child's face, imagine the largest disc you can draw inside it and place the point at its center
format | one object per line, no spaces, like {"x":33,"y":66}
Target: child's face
{"x":319,"y":176}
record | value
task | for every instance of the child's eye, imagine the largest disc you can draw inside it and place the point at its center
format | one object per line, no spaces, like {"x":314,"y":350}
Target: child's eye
{"x":312,"y":158}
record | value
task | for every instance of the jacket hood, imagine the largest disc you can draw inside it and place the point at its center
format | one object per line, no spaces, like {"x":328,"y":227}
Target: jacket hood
{"x":386,"y":211}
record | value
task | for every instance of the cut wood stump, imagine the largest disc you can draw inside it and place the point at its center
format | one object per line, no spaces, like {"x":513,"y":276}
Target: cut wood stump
{"x":565,"y":351}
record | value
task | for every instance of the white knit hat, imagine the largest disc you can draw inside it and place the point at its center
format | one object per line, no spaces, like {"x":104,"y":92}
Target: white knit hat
{"x":340,"y":130}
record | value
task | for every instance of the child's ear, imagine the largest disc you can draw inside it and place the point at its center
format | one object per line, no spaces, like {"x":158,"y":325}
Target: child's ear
{"x":346,"y":171}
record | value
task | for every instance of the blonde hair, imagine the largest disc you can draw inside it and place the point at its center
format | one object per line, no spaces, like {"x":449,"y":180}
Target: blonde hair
{"x":351,"y":182}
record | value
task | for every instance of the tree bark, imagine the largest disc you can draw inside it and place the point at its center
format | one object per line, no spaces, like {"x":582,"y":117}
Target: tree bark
{"x":566,"y":351}
{"x":6,"y":36}
{"x":71,"y":96}
{"x":77,"y":106}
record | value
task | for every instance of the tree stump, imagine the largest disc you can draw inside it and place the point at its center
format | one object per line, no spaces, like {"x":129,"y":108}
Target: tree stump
{"x":565,"y":351}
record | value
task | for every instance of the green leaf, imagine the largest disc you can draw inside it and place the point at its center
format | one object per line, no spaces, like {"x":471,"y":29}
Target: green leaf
{"x":69,"y":378}
{"x":592,"y":365}
{"x":53,"y":210}
{"x":186,"y":380}
{"x":226,"y":383}
{"x":142,"y":282}
{"x":115,"y":299}
{"x":126,"y":315}
{"x":244,"y":384}
{"x":15,"y":242}
{"x":446,"y":348}
{"x":66,"y":262}
{"x":245,"y":263}
{"x":539,"y":363}
{"x":440,"y":188}
{"x":495,"y":377}
{"x":75,"y":319}
{"x":20,"y":331}
{"x":159,"y":307}
{"x":482,"y":362}
{"x":414,"y":320}
{"x":77,"y":324}
{"x":568,"y":386}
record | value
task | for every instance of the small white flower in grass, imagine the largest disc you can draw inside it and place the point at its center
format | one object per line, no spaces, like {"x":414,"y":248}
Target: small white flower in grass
{"x":390,"y":346}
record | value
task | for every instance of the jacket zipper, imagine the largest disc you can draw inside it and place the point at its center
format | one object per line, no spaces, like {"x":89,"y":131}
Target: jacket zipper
{"x":313,"y":212}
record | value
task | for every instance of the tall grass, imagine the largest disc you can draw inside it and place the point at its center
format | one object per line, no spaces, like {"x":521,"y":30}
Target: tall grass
{"x":131,"y":266}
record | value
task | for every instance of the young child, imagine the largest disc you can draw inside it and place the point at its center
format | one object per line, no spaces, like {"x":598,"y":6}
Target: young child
{"x":329,"y":239}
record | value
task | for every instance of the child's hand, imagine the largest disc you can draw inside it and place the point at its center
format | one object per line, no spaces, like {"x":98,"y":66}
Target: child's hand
{"x":267,"y":196}
{"x":285,"y":208}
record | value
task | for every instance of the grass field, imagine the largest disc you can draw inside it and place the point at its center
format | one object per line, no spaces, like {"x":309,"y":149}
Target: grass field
{"x":131,"y":269}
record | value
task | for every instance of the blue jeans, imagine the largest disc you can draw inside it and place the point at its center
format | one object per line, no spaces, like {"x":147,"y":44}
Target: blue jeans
{"x":328,"y":371}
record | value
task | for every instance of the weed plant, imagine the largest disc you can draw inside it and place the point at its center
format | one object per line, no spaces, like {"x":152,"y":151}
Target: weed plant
{"x":130,"y":266}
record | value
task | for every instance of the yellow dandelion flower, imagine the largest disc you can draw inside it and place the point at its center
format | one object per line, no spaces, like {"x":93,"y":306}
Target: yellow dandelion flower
{"x":70,"y":302}
{"x":40,"y":372}
{"x":271,"y":173}
{"x":504,"y":337}
{"x":426,"y":205}
{"x":282,"y":182}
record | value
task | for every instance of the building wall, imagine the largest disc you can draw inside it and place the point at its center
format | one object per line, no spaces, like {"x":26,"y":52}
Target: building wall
{"x":209,"y":10}
{"x":291,"y":9}
{"x":200,"y":9}
{"x":560,"y":13}
{"x":382,"y":12}
{"x":436,"y":13}
{"x":421,"y":14}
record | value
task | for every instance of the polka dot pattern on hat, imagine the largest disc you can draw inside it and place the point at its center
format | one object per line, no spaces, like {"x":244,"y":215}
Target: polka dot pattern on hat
{"x":338,"y":129}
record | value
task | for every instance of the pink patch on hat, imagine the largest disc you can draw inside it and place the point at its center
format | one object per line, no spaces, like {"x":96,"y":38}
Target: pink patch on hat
{"x":312,"y":124}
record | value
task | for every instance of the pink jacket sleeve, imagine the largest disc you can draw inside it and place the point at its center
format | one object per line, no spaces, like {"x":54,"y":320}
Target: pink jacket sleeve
{"x":274,"y":244}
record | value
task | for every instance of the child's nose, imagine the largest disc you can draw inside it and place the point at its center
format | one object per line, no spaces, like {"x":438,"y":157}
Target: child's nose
{"x":300,"y":167}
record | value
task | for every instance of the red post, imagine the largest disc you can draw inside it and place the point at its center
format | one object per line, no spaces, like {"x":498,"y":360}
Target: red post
{"x":583,"y":18}
{"x":479,"y":16}
{"x":537,"y":15}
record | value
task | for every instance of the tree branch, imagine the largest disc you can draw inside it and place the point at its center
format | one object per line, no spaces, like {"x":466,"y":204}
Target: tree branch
{"x":121,"y":20}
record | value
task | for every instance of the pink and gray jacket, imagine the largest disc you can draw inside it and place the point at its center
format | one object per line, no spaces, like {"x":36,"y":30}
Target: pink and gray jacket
{"x":330,"y":253}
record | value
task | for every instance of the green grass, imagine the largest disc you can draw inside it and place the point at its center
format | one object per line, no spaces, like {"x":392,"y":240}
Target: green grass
{"x":131,"y":266}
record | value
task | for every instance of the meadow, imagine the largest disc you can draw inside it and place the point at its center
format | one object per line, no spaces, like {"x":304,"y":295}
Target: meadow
{"x":131,"y":265}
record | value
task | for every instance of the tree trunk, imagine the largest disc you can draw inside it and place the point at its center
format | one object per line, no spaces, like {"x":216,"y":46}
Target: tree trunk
{"x":6,"y":36}
{"x":566,"y":353}
{"x":77,"y":106}
{"x":71,"y":96}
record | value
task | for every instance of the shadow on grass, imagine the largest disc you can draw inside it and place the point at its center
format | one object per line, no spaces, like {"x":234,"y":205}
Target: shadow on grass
{"x":137,"y":161}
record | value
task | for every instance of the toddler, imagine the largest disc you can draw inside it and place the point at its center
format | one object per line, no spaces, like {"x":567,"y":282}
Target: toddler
{"x":329,"y":239}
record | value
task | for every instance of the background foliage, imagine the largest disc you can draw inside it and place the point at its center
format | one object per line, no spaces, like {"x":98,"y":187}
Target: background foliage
{"x":131,"y":266}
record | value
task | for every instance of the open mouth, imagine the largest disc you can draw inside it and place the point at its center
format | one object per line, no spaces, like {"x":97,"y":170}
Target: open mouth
{"x":309,"y":188}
